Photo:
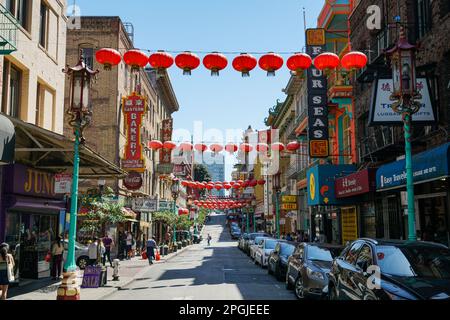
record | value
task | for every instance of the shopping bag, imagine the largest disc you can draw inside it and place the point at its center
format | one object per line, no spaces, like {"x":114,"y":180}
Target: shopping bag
{"x":157,"y":255}
{"x":48,"y":257}
{"x":144,"y":255}
{"x":10,"y":270}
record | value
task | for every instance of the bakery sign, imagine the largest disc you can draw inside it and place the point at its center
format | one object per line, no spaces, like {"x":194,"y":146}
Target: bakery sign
{"x":317,"y":97}
{"x":134,"y":108}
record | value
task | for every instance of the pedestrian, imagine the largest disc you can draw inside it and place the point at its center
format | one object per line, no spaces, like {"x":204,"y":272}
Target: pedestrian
{"x":209,"y":239}
{"x":6,"y":270}
{"x":108,"y":243}
{"x":151,"y":247}
{"x":93,"y":252}
{"x":129,"y":245}
{"x":289,"y":237}
{"x":57,"y":258}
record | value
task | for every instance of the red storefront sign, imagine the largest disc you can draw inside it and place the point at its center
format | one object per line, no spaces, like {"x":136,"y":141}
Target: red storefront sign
{"x":355,"y":184}
{"x":133,"y":181}
{"x":165,"y":156}
{"x":134,"y":108}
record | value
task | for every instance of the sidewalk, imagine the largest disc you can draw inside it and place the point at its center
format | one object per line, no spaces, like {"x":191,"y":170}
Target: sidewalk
{"x":129,"y":271}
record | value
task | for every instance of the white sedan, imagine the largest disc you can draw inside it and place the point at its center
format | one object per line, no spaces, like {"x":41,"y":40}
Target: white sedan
{"x":254,"y":246}
{"x":263,"y":251}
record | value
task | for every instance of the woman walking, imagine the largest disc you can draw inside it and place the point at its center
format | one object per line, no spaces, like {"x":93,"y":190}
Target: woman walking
{"x":57,"y":258}
{"x":6,"y":270}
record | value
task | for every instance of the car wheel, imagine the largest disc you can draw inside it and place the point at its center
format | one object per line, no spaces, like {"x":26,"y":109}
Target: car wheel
{"x":288,"y":282}
{"x":269,"y":269}
{"x":299,"y":288}
{"x":82,"y":262}
{"x":278,"y":273}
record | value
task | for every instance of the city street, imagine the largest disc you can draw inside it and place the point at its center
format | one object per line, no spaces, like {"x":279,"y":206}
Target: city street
{"x":219,"y":272}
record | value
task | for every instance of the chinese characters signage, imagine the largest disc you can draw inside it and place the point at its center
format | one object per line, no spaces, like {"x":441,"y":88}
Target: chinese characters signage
{"x":382,"y":113}
{"x":356,"y":184}
{"x":134,"y":108}
{"x":166,"y":132}
{"x":317,"y":98}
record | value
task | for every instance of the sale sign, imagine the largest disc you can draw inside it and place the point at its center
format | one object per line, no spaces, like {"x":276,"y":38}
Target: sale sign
{"x":134,"y":108}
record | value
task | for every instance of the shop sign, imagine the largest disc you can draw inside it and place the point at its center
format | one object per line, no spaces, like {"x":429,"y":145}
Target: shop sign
{"x":165,"y":168}
{"x":133,"y":181}
{"x":165,"y":156}
{"x":92,"y":277}
{"x":349,"y":224}
{"x":63,"y":183}
{"x":22,"y":180}
{"x":381,"y":112}
{"x":282,"y":222}
{"x":289,"y":206}
{"x":317,"y":97}
{"x":180,"y":170}
{"x":289,"y":199}
{"x":145,"y":204}
{"x":134,"y":109}
{"x":165,"y":205}
{"x":355,"y":184}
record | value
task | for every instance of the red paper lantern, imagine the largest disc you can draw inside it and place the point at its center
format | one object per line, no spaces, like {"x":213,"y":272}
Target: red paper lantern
{"x":227,"y":186}
{"x":209,"y":186}
{"x":240,"y":181}
{"x":215,"y":62}
{"x":237,"y":186}
{"x":187,"y":61}
{"x":218,"y":187}
{"x":293,"y":146}
{"x":161,"y":60}
{"x":216,"y":148}
{"x":169,"y":145}
{"x":136,"y":59}
{"x":299,"y":62}
{"x":326,"y":60}
{"x":185,"y":183}
{"x":231,"y":148}
{"x":261,"y":182}
{"x":186,"y":147}
{"x":262,"y":147}
{"x":354,"y":60}
{"x":253,"y":183}
{"x":155,"y":144}
{"x":247,"y":148}
{"x":201,"y":147}
{"x":244,"y":64}
{"x":271,"y":62}
{"x":233,"y":183}
{"x":108,"y":57}
{"x":278,"y":146}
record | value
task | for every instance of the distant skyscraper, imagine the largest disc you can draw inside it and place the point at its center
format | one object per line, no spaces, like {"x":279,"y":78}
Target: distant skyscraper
{"x":216,"y":167}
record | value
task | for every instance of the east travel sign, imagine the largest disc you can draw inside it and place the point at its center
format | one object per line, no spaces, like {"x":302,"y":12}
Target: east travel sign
{"x":134,"y":108}
{"x":382,"y":113}
{"x":317,"y":98}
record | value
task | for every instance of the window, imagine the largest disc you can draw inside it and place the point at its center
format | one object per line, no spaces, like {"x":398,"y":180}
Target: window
{"x":88,"y":54}
{"x":43,"y":25}
{"x":424,"y":18}
{"x":20,"y":9}
{"x":45,"y":107}
{"x":365,"y":258}
{"x":353,"y":253}
{"x":14,"y":92}
{"x":39,"y":112}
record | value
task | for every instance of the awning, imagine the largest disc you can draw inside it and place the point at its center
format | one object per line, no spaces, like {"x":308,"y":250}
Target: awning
{"x":7,"y":140}
{"x":144,"y":224}
{"x":129,"y":214}
{"x":34,"y":205}
{"x":46,"y":150}
{"x":427,"y":166}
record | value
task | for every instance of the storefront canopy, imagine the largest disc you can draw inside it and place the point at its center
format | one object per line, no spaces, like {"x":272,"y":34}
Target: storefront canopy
{"x":7,"y":140}
{"x":427,"y":166}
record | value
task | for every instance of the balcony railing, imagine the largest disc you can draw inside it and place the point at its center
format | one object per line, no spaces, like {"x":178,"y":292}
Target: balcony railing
{"x":381,"y":138}
{"x":8,"y":32}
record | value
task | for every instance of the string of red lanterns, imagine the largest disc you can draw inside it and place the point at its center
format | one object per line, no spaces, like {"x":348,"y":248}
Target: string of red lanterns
{"x":231,"y":148}
{"x":216,"y":62}
{"x":223,"y":185}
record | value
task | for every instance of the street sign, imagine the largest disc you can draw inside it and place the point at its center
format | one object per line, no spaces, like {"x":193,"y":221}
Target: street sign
{"x":145,"y":204}
{"x":165,"y":205}
{"x":289,"y":206}
{"x":63,"y":183}
{"x":166,"y":168}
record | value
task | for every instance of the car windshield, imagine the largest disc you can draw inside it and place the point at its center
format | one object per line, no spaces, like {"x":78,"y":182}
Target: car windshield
{"x":319,"y":254}
{"x":258,"y":240}
{"x":414,"y":261}
{"x":270,"y":244}
{"x":287,"y":249}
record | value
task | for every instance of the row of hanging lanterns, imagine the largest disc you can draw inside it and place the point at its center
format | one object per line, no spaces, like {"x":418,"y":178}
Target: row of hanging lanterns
{"x":216,"y":62}
{"x":231,"y":147}
{"x":221,"y":204}
{"x":223,"y":185}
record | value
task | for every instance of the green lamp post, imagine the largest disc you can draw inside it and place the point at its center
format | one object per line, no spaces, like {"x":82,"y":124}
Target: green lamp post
{"x":80,"y":113}
{"x":175,"y":188}
{"x":405,"y":96}
{"x":277,"y":189}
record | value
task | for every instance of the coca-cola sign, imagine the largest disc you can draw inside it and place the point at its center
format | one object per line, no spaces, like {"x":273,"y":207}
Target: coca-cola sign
{"x":133,"y":181}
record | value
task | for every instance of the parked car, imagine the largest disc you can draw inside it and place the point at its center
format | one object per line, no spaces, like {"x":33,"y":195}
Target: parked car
{"x":408,"y":271}
{"x":255,"y":246}
{"x":278,"y":259}
{"x":251,"y":240}
{"x":265,"y":248}
{"x":242,"y":240}
{"x":308,"y":269}
{"x":236,"y":234}
{"x":81,"y":254}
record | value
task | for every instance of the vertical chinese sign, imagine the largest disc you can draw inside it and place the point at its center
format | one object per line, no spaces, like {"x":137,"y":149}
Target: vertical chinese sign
{"x":166,"y":132}
{"x":134,"y":108}
{"x":317,"y":98}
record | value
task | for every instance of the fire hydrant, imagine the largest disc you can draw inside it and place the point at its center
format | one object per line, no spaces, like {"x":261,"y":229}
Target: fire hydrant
{"x":116,"y":270}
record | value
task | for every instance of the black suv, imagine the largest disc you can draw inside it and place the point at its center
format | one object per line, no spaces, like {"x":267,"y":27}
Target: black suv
{"x":391,"y":270}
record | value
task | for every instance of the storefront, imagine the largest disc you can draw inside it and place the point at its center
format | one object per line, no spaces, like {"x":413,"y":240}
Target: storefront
{"x":325,"y":207}
{"x":30,"y":216}
{"x":431,"y":179}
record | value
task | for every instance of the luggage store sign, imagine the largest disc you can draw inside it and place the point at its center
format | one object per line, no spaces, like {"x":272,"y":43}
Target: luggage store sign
{"x":317,"y":98}
{"x":134,"y":108}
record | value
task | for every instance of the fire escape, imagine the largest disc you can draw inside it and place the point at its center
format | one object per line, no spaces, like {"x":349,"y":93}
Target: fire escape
{"x":8,"y":32}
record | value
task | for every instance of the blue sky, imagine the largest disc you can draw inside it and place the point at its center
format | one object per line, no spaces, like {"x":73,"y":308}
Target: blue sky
{"x":228,"y":101}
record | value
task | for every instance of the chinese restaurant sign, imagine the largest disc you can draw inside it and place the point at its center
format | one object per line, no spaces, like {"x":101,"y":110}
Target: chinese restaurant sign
{"x":382,"y":113}
{"x":166,"y":132}
{"x":317,"y":97}
{"x":356,"y":184}
{"x":134,"y":108}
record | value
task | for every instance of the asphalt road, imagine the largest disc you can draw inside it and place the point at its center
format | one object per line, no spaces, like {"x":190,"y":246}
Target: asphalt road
{"x":218,"y":272}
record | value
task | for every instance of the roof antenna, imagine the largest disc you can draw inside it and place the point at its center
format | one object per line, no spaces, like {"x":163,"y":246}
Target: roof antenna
{"x":304,"y":26}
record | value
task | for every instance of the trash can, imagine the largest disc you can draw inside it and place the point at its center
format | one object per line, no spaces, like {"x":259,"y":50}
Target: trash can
{"x":164,"y":250}
{"x":180,"y":245}
{"x":174,"y":247}
{"x":184,"y":243}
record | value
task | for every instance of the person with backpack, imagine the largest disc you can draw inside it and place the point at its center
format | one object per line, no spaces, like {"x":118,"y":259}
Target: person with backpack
{"x":151,"y":247}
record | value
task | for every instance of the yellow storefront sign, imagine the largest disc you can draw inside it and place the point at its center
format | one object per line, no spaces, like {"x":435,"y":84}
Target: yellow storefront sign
{"x":289,"y":206}
{"x":289,"y":199}
{"x":349,"y":224}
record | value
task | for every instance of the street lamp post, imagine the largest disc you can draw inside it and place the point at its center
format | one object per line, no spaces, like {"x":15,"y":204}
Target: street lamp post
{"x":80,"y":112}
{"x":277,"y":188}
{"x":175,"y":192}
{"x":405,"y":97}
{"x":254,"y":217}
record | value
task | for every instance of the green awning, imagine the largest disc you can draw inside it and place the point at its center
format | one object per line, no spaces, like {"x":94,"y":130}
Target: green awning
{"x":7,"y":140}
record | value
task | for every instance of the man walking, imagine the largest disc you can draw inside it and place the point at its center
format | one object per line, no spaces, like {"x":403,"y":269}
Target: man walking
{"x":151,"y":246}
{"x":93,"y":252}
{"x":108,"y":243}
{"x":209,"y":239}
